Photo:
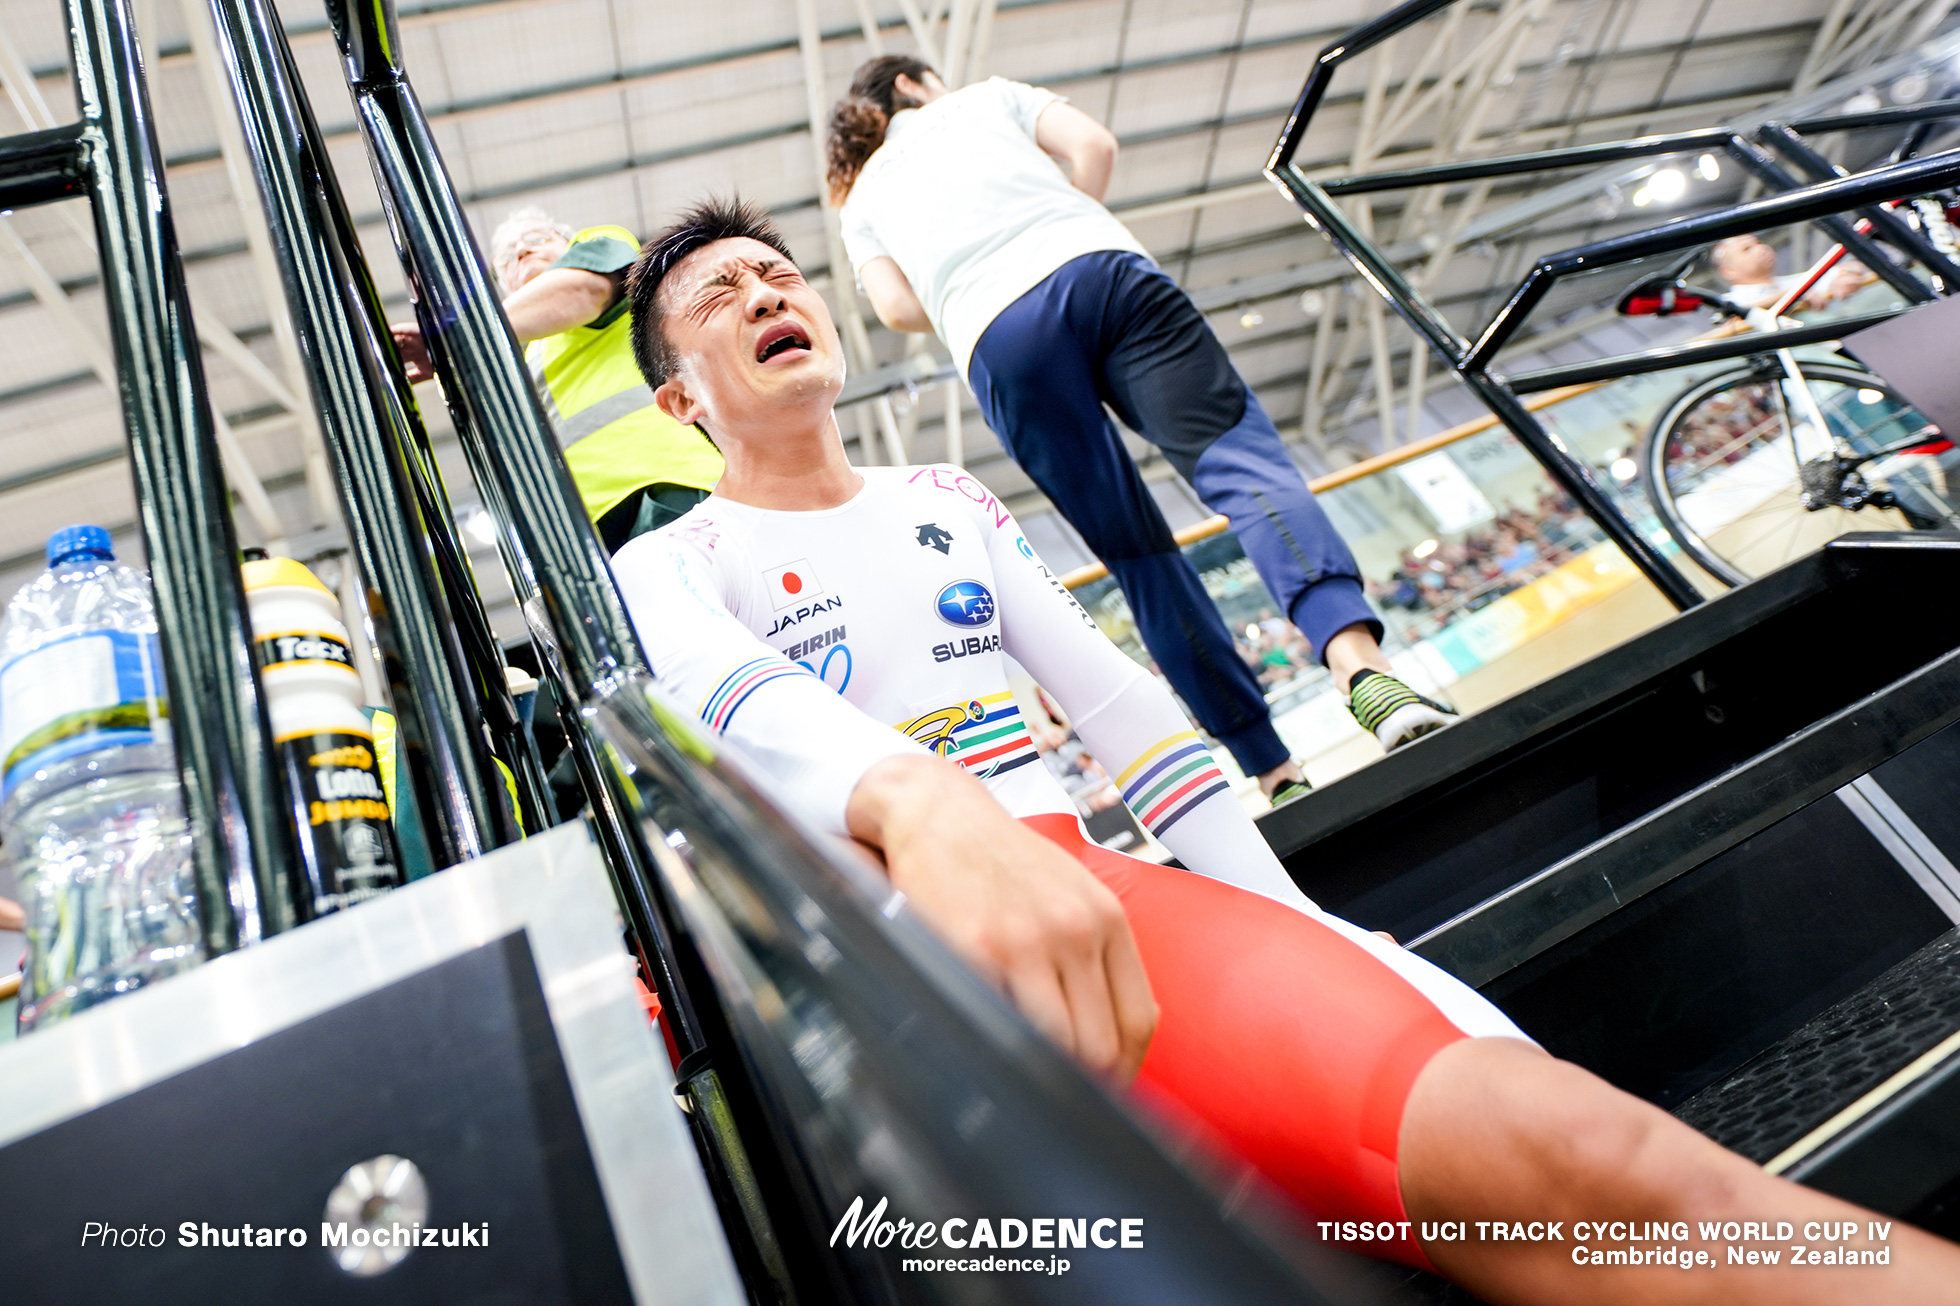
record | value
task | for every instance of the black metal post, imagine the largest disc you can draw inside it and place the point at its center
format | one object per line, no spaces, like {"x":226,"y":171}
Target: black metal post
{"x":368,"y":416}
{"x":1472,"y":362}
{"x":1359,"y":41}
{"x":1641,"y":147}
{"x":1884,"y":221}
{"x":1848,"y":122}
{"x":1567,"y":472}
{"x":241,"y":846}
{"x":40,"y":167}
{"x":559,"y":565}
{"x":1846,"y":233}
{"x":556,"y":560}
{"x":1691,"y":354}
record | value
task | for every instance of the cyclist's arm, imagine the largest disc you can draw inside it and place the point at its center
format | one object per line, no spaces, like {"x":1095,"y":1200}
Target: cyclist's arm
{"x":784,"y":720}
{"x":1129,"y":721}
{"x":1013,"y":905}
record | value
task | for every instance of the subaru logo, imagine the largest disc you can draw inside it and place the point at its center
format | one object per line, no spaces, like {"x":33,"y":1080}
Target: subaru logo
{"x":966,"y":603}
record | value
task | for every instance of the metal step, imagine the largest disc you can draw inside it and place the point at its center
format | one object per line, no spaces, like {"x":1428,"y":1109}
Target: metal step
{"x":1860,"y":1101}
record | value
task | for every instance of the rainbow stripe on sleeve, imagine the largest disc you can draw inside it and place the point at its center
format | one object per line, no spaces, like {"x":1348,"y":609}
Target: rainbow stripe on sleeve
{"x":736,"y":687}
{"x":1173,"y":776}
{"x":994,"y":743}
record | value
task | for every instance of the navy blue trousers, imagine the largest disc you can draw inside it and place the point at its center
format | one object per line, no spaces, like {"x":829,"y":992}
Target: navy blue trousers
{"x":1110,"y":329}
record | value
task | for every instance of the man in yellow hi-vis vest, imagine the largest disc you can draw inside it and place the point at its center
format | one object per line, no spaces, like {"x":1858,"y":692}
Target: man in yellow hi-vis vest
{"x":636,"y":468}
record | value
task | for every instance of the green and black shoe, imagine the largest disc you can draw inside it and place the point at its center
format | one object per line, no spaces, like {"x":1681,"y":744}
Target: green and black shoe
{"x":1289,"y":790}
{"x":1392,"y":712}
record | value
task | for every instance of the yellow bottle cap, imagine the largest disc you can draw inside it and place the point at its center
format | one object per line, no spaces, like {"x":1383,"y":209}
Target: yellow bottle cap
{"x":269,"y":573}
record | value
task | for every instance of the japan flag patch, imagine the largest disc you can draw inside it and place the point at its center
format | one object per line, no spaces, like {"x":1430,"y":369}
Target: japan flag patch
{"x":792,"y":583}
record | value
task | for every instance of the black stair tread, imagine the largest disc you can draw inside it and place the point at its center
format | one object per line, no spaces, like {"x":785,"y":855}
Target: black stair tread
{"x":1825,"y":1065}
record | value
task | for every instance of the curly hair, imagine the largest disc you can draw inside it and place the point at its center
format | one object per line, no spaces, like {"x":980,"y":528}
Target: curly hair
{"x":701,"y":224}
{"x":858,"y":121}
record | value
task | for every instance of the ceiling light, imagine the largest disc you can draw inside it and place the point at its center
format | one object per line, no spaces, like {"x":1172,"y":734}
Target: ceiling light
{"x":1251,"y":631}
{"x":1708,"y":168}
{"x":1911,"y":88}
{"x":1667,"y":185}
{"x":1863,"y":102}
{"x":1251,"y":318}
{"x":1624,"y":469}
{"x":1313,"y":303}
{"x":1424,"y":549}
{"x":1870,"y":396}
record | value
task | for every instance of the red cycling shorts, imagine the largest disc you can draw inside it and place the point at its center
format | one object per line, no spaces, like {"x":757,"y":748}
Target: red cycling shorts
{"x":1290,"y":1044}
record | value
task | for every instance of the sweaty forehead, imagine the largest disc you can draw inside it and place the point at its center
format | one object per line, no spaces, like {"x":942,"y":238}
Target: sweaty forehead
{"x":721,"y":258}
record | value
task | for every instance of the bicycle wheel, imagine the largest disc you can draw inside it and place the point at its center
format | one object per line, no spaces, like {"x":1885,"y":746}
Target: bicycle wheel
{"x":1722,"y":466}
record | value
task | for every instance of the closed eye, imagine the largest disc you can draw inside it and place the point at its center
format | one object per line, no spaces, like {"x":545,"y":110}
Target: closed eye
{"x":709,"y":301}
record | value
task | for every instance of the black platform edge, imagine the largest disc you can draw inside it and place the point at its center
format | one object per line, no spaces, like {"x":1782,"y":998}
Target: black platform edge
{"x":1773,"y":1100}
{"x":1517,"y":723}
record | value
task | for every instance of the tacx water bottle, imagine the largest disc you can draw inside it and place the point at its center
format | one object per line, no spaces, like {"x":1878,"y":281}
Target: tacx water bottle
{"x":90,"y":804}
{"x":347,"y":845}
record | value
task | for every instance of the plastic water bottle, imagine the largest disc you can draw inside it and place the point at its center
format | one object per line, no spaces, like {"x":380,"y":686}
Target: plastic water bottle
{"x":90,"y":807}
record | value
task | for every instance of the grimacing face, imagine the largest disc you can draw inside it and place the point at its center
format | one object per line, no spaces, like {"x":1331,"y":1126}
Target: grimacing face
{"x":752,"y":339}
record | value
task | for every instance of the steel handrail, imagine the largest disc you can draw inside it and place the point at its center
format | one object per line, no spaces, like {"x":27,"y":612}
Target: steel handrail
{"x":1823,"y":202}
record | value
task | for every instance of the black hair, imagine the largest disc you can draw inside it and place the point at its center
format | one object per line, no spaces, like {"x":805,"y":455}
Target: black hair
{"x":701,"y":224}
{"x":858,"y":121}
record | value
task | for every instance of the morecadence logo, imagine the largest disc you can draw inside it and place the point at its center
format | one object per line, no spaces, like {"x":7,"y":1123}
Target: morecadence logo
{"x":989,"y":1234}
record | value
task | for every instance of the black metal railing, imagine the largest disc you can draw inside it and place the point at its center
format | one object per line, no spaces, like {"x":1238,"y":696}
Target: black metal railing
{"x":1830,"y":196}
{"x":241,"y":844}
{"x":398,"y":517}
{"x":445,"y":666}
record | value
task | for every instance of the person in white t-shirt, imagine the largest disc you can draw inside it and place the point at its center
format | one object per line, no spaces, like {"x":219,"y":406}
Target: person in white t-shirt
{"x":1748,"y":264}
{"x":957,"y":220}
{"x":807,"y":608}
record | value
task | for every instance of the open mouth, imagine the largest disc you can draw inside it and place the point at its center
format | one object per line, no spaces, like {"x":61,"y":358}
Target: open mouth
{"x":781,"y":339}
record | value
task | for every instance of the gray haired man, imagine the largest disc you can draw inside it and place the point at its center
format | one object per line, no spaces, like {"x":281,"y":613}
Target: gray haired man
{"x":636,"y":468}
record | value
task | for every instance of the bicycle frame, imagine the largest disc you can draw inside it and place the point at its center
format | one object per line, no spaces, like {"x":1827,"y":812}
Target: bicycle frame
{"x":1825,"y":202}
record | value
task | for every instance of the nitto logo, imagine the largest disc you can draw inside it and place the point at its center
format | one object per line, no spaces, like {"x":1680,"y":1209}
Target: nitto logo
{"x":966,"y":603}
